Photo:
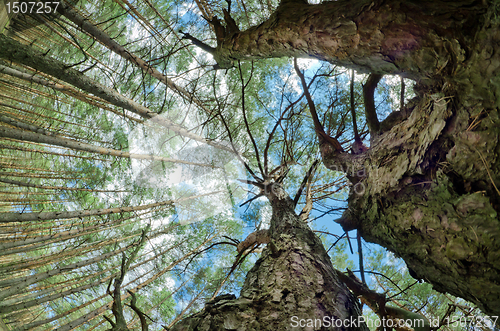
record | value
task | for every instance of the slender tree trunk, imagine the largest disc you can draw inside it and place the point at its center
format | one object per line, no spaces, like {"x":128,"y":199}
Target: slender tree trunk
{"x":40,"y":294}
{"x":43,"y":187}
{"x":53,"y":139}
{"x":14,"y":285}
{"x":43,"y":216}
{"x":14,"y":51}
{"x":68,"y":90}
{"x":112,"y":45}
{"x":292,"y":284}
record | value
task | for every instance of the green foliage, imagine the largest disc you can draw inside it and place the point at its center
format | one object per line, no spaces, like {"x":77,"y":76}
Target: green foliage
{"x":190,"y":249}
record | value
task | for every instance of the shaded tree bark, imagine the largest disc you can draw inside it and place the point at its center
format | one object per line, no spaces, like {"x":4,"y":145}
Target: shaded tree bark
{"x":43,"y":216}
{"x":428,"y":182}
{"x":47,"y":137}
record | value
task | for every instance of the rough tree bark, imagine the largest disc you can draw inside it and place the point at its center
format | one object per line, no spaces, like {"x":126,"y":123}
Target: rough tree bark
{"x":292,"y":286}
{"x":428,"y":187}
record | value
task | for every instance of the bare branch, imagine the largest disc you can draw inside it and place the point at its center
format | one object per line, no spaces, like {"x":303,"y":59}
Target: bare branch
{"x":402,"y":95}
{"x":322,"y":136}
{"x":133,"y":305}
{"x":197,"y":42}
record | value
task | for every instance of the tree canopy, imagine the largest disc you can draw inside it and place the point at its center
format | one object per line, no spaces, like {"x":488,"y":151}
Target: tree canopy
{"x":159,"y":157}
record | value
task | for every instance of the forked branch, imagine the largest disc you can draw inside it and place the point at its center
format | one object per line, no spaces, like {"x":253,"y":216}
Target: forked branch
{"x":142,"y":316}
{"x":117,"y":307}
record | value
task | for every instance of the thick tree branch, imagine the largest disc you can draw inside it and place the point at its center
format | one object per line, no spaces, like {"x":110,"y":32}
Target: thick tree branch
{"x":271,"y":134}
{"x":402,"y":40}
{"x":14,"y":51}
{"x":394,"y":118}
{"x":221,"y":31}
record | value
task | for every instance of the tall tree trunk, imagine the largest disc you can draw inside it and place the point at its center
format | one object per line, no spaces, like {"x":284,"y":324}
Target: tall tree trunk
{"x":100,"y":35}
{"x":15,"y":285}
{"x":99,"y":311}
{"x":43,"y":216}
{"x":68,"y":90}
{"x":292,"y":286}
